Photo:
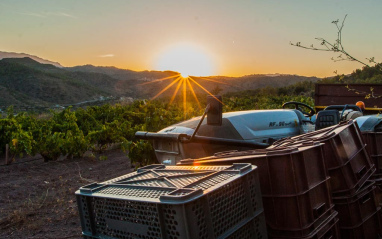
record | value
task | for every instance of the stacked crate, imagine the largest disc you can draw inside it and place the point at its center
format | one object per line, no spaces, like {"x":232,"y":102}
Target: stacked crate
{"x":295,"y":189}
{"x":372,"y":140}
{"x":373,"y":147}
{"x":161,"y":201}
{"x":349,"y":167}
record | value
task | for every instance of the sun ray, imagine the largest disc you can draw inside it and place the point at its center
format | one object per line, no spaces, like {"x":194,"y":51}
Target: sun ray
{"x":176,"y":91}
{"x":184,"y":97}
{"x":193,"y":93}
{"x":205,"y":89}
{"x":166,"y":88}
{"x":162,"y":79}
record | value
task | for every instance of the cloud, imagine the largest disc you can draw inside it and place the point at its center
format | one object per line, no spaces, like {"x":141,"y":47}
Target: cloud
{"x":61,"y":14}
{"x":106,"y":55}
{"x":48,"y":14}
{"x":33,"y":14}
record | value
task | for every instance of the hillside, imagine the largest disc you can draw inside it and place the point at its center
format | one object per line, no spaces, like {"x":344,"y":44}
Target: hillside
{"x":22,"y":55}
{"x":149,"y":83}
{"x":25,"y":82}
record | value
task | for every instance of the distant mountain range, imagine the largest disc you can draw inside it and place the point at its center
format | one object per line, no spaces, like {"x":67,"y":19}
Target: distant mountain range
{"x":22,"y":55}
{"x":32,"y":81}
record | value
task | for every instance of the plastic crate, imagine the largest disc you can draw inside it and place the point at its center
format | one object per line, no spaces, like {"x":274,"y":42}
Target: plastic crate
{"x":345,"y":155}
{"x":298,"y":215}
{"x":161,"y":201}
{"x":373,"y":141}
{"x":370,"y":228}
{"x":328,"y":229}
{"x":377,"y":180}
{"x":354,"y":209}
{"x":285,"y":171}
{"x":294,"y":185}
{"x":250,"y":229}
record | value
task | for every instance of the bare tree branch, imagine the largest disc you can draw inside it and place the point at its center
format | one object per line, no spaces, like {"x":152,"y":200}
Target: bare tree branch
{"x":336,"y":47}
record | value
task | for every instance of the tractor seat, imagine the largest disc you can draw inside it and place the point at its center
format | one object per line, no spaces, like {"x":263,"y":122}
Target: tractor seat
{"x":327,"y":118}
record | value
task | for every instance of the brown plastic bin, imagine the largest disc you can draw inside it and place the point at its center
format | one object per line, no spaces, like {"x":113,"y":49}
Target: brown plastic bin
{"x":298,"y":215}
{"x":373,"y":147}
{"x":285,"y":171}
{"x":370,"y":228}
{"x":377,"y":179}
{"x":327,"y":230}
{"x":293,"y":182}
{"x":354,"y":209}
{"x":345,"y":155}
{"x":373,"y":139}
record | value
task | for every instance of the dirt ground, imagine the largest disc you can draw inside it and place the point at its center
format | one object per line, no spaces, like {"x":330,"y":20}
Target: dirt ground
{"x":37,"y":198}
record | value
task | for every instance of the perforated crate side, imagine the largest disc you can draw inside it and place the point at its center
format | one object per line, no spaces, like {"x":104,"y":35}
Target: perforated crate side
{"x":189,"y":220}
{"x":84,"y":209}
{"x":234,"y":203}
{"x":254,"y":229}
{"x":124,"y":218}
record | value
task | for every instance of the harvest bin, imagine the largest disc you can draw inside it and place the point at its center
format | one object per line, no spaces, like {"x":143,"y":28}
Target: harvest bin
{"x":161,"y":201}
{"x":327,"y":230}
{"x":345,"y":156}
{"x":354,"y":209}
{"x":369,"y":228}
{"x":373,"y":141}
{"x":294,"y":186}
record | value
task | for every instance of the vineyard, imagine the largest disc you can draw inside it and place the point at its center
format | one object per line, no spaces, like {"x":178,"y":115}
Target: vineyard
{"x":70,"y":133}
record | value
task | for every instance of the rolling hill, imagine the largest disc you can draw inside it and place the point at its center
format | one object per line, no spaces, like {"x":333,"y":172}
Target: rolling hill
{"x":25,"y":82}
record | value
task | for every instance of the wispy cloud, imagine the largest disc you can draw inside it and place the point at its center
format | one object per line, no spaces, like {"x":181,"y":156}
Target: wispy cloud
{"x":48,"y":14}
{"x":61,"y":14}
{"x":33,"y":14}
{"x":106,"y":55}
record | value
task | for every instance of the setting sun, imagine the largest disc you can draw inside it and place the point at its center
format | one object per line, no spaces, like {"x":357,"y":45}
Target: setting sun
{"x":186,"y":59}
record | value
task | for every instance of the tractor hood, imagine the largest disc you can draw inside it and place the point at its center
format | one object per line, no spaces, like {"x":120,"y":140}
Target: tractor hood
{"x":258,"y":125}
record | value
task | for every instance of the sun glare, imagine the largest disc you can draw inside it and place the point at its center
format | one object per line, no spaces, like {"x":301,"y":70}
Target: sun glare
{"x":186,"y":59}
{"x":193,"y":66}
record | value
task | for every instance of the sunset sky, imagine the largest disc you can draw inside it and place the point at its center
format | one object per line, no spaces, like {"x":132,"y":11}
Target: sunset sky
{"x":218,"y":37}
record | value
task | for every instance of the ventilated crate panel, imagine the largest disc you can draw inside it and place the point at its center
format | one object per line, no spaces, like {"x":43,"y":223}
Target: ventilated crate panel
{"x":254,"y":229}
{"x":347,"y":161}
{"x":174,"y":202}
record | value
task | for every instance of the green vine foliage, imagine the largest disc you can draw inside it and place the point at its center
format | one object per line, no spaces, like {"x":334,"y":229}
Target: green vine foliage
{"x":70,"y":133}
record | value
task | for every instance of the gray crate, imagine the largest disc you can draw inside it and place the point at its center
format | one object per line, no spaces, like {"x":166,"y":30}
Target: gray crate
{"x":161,"y":201}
